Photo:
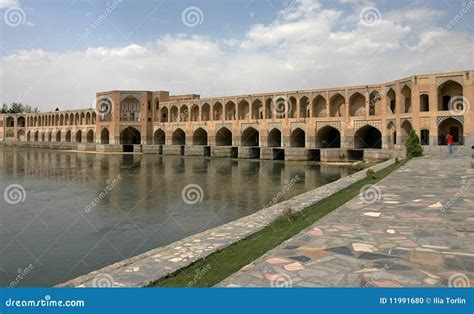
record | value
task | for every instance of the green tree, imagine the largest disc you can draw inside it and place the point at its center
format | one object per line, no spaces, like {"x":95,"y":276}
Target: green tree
{"x":17,"y":107}
{"x":412,"y":145}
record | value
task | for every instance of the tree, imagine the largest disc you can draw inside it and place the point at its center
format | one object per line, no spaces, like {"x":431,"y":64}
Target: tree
{"x":412,"y":145}
{"x":17,"y":107}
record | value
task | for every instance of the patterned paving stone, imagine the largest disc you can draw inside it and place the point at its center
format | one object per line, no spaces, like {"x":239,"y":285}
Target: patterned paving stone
{"x":419,"y":233}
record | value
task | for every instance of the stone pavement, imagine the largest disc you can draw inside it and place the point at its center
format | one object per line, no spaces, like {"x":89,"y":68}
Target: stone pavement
{"x":413,"y":228}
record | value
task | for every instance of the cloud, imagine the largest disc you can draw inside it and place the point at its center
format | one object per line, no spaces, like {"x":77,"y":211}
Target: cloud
{"x":305,"y":46}
{"x":8,"y":3}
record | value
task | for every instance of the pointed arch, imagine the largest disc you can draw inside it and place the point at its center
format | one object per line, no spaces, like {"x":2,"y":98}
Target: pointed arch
{"x":328,"y":137}
{"x":159,"y":138}
{"x":337,"y":105}
{"x":274,"y":138}
{"x":357,"y":105}
{"x":223,"y":137}
{"x":250,"y":137}
{"x":368,"y":137}
{"x":298,"y":138}
{"x":104,"y":136}
{"x":178,"y":137}
{"x":200,"y":137}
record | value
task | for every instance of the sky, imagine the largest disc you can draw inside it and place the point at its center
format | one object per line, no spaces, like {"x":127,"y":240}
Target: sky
{"x":58,"y":54}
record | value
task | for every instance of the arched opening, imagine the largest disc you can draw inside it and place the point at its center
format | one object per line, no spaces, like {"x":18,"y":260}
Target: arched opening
{"x":130,"y":136}
{"x":243,"y":110}
{"x":58,"y":136}
{"x":292,"y":107}
{"x":88,"y":118}
{"x":21,"y":122}
{"x":174,"y":114}
{"x":90,"y":136}
{"x":217,"y":111}
{"x":79,"y":136}
{"x":205,"y":112}
{"x":406,"y":92}
{"x":392,"y":133}
{"x":10,"y":122}
{"x":28,"y":136}
{"x":104,"y":136}
{"x":424,"y":102}
{"x":200,"y":137}
{"x":269,"y":108}
{"x":68,"y":136}
{"x":374,"y":100}
{"x":36,"y":136}
{"x":452,"y":126}
{"x":319,"y":107}
{"x":194,"y":112}
{"x":159,"y":138}
{"x":392,"y":101}
{"x":42,"y":137}
{"x":337,"y":106}
{"x":250,"y":137}
{"x":406,"y":128}
{"x":425,"y":137}
{"x":297,"y":138}
{"x":368,"y":137}
{"x":274,"y":138}
{"x":164,"y":114}
{"x":94,"y":117}
{"x":224,"y":137}
{"x":82,"y":118}
{"x":184,"y":113}
{"x":446,"y":92}
{"x":328,"y":137}
{"x":20,"y":135}
{"x":257,"y":109}
{"x":230,"y":111}
{"x":304,"y":107}
{"x":50,"y":136}
{"x":357,"y":105}
{"x":179,"y":137}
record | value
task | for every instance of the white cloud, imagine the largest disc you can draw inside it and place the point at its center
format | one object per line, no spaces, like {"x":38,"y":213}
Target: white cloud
{"x":307,"y":46}
{"x":8,"y":3}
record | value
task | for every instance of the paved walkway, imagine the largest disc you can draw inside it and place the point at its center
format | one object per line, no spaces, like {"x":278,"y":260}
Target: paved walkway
{"x":414,"y":228}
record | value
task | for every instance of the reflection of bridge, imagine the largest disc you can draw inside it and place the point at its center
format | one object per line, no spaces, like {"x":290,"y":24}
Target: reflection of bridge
{"x":290,"y":125}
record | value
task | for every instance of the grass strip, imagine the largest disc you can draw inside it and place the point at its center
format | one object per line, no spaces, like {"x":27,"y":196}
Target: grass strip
{"x":221,"y":264}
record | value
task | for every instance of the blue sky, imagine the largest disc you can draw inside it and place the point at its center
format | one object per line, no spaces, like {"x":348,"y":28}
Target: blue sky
{"x":53,"y":57}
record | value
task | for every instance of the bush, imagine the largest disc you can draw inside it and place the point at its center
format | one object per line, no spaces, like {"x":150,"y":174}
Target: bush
{"x":371,"y":174}
{"x":289,"y":214}
{"x":412,"y":145}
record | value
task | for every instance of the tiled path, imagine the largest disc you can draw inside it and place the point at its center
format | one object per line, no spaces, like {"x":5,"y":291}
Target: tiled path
{"x":419,"y":233}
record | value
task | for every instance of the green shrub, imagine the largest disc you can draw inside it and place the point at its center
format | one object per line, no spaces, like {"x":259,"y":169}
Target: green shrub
{"x":371,"y":174}
{"x":412,"y":145}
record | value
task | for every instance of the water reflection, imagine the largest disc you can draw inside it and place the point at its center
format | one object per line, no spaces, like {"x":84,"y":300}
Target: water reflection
{"x":84,"y":211}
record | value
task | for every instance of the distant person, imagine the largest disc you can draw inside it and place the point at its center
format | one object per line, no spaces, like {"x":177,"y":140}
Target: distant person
{"x":449,"y":139}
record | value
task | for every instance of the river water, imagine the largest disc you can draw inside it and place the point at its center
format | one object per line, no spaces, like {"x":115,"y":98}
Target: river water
{"x":64,"y":214}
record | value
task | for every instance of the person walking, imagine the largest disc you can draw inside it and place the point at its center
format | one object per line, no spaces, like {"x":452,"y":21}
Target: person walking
{"x":449,"y":139}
